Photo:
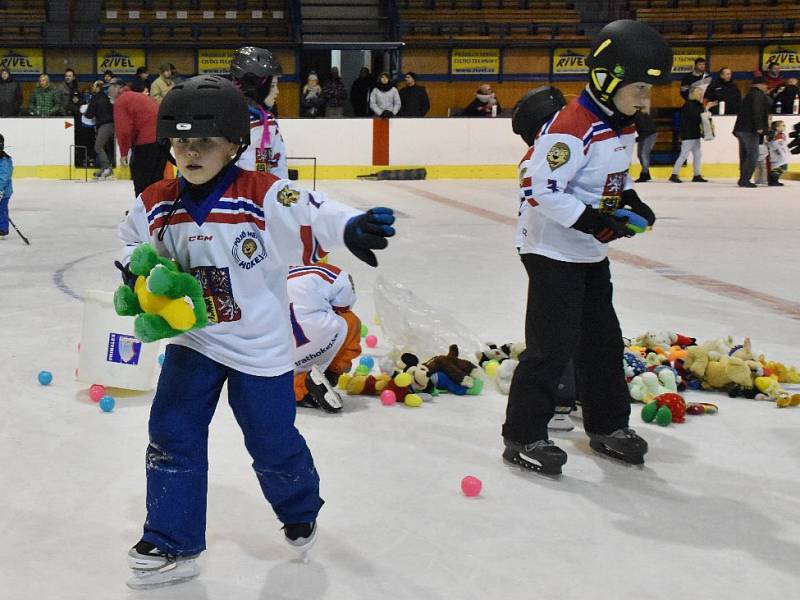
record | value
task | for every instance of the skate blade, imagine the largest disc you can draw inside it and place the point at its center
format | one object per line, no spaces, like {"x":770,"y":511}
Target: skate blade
{"x":302,"y":547}
{"x":618,"y":459}
{"x":148,"y":580}
{"x":526,"y":467}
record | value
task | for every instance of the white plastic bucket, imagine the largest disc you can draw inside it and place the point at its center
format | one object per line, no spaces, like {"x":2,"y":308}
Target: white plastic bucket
{"x":110,"y":354}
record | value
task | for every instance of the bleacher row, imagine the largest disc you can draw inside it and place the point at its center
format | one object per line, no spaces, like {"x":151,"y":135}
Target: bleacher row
{"x":421,"y":21}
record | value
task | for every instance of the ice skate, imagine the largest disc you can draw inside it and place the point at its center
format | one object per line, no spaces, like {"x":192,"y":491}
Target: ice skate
{"x":322,"y":391}
{"x":154,"y":568}
{"x":301,"y":536}
{"x":542,"y":456}
{"x":561,"y":420}
{"x":623,"y":445}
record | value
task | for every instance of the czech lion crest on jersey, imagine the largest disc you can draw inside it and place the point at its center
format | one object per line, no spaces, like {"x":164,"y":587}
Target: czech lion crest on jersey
{"x":558,"y":155}
{"x":287,"y":196}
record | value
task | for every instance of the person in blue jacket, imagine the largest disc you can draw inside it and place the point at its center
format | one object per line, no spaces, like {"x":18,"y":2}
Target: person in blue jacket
{"x":6,"y":169}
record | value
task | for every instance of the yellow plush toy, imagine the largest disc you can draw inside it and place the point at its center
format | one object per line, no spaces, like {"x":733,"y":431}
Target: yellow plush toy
{"x":773,"y":390}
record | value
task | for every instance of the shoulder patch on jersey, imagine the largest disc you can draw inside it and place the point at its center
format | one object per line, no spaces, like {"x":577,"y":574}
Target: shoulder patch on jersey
{"x":558,"y":155}
{"x":573,"y":119}
{"x":252,"y":185}
{"x":288,"y":196}
{"x":166,"y":189}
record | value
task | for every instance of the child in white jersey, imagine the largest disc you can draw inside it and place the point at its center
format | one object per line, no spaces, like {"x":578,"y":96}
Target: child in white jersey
{"x":229,"y":229}
{"x":778,"y":153}
{"x":327,"y":333}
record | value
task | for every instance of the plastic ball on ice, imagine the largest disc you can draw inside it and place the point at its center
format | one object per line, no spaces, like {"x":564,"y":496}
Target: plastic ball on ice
{"x":388,"y":398}
{"x":161,"y":359}
{"x":403,"y":380}
{"x":97,"y":391}
{"x":367,"y":361}
{"x":362,"y":370}
{"x":371,"y":341}
{"x":471,"y":486}
{"x":45,"y":377}
{"x":413,"y":400}
{"x":364,"y":330}
{"x":107,"y":403}
{"x":491,"y":368}
{"x":664,"y":416}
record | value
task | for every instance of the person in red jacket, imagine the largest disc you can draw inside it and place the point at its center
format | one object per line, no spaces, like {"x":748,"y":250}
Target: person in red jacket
{"x":135,"y":116}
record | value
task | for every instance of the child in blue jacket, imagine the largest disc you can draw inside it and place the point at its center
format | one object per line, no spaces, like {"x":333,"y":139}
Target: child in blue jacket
{"x":6,"y":169}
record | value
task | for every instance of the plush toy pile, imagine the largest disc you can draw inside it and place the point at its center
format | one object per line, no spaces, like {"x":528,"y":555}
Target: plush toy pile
{"x":411,"y":380}
{"x":658,"y":363}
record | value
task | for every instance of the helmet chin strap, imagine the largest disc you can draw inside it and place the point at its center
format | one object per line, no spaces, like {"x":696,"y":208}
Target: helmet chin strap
{"x":615,"y":118}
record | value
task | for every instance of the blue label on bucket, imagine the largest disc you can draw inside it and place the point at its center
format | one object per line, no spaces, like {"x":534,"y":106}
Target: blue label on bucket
{"x":124,"y":349}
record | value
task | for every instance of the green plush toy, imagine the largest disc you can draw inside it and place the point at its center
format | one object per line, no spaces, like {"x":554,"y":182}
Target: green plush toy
{"x":165,"y":301}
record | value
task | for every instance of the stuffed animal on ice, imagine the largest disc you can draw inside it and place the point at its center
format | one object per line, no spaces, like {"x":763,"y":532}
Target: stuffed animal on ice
{"x":782,"y":372}
{"x":649,"y":385}
{"x":717,"y":371}
{"x":772,"y":390}
{"x":165,"y":301}
{"x":661,"y":341}
{"x":504,"y":374}
{"x":459,"y":370}
{"x":492,"y":352}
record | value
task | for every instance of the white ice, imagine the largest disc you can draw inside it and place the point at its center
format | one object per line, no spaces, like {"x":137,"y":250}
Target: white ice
{"x":714,"y":514}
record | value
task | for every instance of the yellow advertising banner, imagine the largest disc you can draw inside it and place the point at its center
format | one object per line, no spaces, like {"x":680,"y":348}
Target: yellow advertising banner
{"x":570,"y":61}
{"x":22,"y":60}
{"x":214,"y":61}
{"x":786,"y":55}
{"x":475,"y":61}
{"x":683,"y":58}
{"x":122,"y":61}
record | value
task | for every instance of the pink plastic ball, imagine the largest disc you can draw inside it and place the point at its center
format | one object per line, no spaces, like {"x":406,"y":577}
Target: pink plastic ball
{"x":371,"y":341}
{"x":79,"y":344}
{"x":388,"y":397}
{"x":96,"y":391}
{"x":471,"y":486}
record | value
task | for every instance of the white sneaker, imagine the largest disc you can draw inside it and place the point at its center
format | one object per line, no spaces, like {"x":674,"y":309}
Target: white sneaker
{"x":154,"y":568}
{"x":561,"y":420}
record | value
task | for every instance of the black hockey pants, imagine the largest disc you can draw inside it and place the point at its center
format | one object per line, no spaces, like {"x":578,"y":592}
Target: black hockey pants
{"x":569,"y":315}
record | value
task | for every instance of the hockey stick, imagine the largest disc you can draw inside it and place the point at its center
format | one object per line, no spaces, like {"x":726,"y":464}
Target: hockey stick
{"x":24,"y":239}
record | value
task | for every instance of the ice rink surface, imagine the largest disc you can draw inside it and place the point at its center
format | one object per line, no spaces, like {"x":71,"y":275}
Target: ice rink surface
{"x":714,"y":514}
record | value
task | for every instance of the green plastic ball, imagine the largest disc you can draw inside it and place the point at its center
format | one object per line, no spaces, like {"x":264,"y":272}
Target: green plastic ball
{"x":649,"y":412}
{"x":364,"y":330}
{"x":664,"y":416}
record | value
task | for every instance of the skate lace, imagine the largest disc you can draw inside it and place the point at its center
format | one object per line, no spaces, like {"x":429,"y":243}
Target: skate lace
{"x":539,"y":444}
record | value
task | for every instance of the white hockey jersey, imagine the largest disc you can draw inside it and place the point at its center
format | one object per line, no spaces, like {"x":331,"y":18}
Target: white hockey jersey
{"x":778,"y":151}
{"x":238,"y":243}
{"x":316,"y":292}
{"x":577,"y":160}
{"x":267,"y":150}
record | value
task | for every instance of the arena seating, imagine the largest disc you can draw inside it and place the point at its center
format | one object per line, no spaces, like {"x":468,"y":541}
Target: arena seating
{"x":190,"y":21}
{"x":468,"y":20}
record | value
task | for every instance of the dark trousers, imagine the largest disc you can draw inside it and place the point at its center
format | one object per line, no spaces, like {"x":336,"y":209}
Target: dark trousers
{"x":147,"y":165}
{"x":569,"y":315}
{"x":748,"y":154}
{"x":177,"y":457}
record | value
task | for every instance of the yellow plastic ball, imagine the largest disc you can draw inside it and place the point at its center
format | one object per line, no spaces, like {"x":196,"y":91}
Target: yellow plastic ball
{"x":413,"y":401}
{"x":376,"y":320}
{"x":403,"y":380}
{"x":491,"y":368}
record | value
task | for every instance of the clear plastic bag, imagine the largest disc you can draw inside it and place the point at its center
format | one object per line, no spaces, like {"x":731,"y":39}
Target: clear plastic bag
{"x":412,"y":325}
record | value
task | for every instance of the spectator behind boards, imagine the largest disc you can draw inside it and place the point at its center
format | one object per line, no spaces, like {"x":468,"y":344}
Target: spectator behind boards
{"x":384,"y":99}
{"x":414,"y":100}
{"x":10,"y":94}
{"x":44,"y":102}
{"x":696,"y":77}
{"x":311,"y":99}
{"x":335,"y":94}
{"x":725,"y":93}
{"x":163,"y":83}
{"x":485,"y":103}
{"x":359,"y":93}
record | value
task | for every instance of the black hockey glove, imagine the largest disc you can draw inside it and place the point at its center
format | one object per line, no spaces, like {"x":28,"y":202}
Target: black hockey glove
{"x":631,"y":199}
{"x":128,"y":278}
{"x":367,"y":232}
{"x":794,"y":145}
{"x":603,"y":227}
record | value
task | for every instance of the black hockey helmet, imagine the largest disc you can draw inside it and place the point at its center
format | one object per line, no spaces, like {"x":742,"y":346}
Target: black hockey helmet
{"x":204,"y":106}
{"x":534,"y":109}
{"x":253,"y":69}
{"x":625,"y":52}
